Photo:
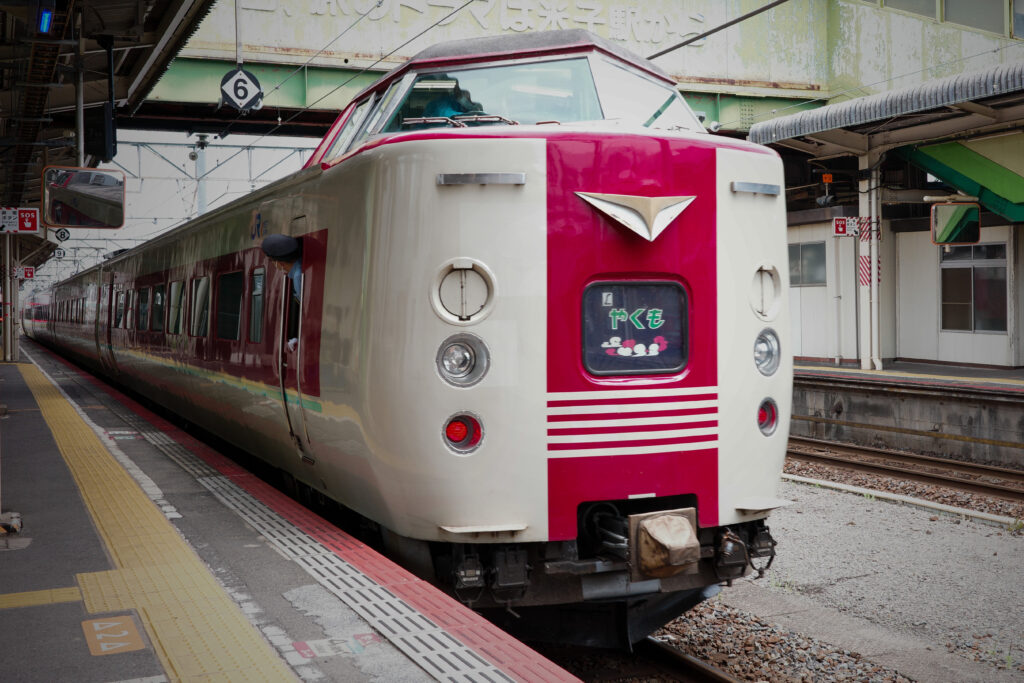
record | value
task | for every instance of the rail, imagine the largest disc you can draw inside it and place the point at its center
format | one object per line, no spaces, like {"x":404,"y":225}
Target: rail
{"x":985,"y":479}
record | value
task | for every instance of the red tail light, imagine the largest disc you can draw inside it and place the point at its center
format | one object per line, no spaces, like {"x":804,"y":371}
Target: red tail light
{"x":767,"y":417}
{"x":463,"y":433}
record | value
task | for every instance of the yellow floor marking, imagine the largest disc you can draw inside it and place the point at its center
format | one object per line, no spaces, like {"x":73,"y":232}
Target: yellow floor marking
{"x":51,"y":596}
{"x":111,"y":635}
{"x":195,"y":628}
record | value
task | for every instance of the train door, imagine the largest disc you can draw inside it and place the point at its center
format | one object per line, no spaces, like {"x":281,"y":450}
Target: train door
{"x":104,"y":323}
{"x":291,"y":357}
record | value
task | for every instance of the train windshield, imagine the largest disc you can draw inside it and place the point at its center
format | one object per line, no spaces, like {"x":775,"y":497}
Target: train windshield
{"x":553,"y":91}
{"x":536,"y":92}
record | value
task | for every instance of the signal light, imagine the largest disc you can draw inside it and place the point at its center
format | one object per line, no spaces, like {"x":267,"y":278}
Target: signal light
{"x":463,"y":433}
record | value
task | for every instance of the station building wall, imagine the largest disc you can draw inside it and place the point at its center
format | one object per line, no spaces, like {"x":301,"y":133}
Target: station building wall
{"x":912,"y":298}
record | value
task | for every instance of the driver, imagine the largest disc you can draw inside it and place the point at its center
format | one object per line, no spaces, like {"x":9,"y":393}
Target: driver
{"x":450,"y":104}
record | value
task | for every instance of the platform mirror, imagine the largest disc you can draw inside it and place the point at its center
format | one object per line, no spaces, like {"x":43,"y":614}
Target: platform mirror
{"x":956,"y":223}
{"x":83,"y":197}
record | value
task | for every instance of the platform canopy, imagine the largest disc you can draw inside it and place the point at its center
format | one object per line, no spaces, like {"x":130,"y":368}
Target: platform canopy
{"x":964,"y":129}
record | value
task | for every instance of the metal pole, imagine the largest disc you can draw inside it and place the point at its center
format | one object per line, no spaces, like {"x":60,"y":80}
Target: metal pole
{"x":238,"y":34}
{"x":15,"y":296}
{"x":7,"y":297}
{"x":80,"y":90}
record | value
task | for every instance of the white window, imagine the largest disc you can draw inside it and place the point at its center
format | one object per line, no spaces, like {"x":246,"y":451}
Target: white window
{"x":807,"y":264}
{"x":974,"y":288}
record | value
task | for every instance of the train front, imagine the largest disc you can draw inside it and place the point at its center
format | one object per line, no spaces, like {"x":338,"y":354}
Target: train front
{"x":606,"y":338}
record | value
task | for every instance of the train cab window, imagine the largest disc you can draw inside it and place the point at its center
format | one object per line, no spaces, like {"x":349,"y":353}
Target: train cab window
{"x":119,"y":310}
{"x":157,"y":312}
{"x":628,"y":95}
{"x":175,"y":307}
{"x":256,"y":305}
{"x":349,"y":130}
{"x":635,"y":328}
{"x":229,"y":305}
{"x":200,"y":306}
{"x":142,"y":310}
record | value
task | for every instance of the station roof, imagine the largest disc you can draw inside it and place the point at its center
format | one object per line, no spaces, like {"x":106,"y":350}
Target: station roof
{"x":38,"y":79}
{"x":969,"y":103}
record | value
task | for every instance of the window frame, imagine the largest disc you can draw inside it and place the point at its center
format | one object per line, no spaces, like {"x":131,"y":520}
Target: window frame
{"x":196,"y":282}
{"x":800,"y":261}
{"x":970,"y":265}
{"x":258,"y":270}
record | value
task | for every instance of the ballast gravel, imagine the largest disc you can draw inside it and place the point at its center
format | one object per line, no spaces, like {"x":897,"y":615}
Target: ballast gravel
{"x":900,"y":574}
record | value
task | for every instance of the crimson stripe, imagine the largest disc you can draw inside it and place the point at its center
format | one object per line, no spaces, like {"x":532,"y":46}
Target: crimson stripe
{"x":632,"y":429}
{"x":641,"y":443}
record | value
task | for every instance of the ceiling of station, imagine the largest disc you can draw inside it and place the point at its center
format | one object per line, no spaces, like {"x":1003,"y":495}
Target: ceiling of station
{"x":39,"y":74}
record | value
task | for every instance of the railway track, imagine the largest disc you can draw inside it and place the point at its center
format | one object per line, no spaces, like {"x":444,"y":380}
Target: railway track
{"x":985,"y":479}
{"x":652,"y":660}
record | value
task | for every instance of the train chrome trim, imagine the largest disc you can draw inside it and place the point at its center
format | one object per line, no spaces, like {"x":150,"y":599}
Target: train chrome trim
{"x":756,"y":188}
{"x":481,"y":178}
{"x":646,"y":216}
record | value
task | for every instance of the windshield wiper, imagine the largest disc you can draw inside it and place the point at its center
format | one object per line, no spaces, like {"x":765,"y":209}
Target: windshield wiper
{"x":484,"y":118}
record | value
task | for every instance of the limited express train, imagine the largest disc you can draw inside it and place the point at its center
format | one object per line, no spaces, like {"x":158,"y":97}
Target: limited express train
{"x":542,"y":337}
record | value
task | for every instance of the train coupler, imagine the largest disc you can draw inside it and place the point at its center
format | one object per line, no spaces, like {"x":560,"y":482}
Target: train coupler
{"x":511,"y":575}
{"x":761,"y":547}
{"x":731,"y":557}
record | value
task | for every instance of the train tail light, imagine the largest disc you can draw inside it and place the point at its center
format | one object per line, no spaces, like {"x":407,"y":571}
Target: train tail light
{"x":767,"y":417}
{"x":463,"y":433}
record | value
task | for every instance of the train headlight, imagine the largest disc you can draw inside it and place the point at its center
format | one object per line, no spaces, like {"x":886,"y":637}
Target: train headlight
{"x":462,"y":360}
{"x":767,"y":352}
{"x":767,"y":417}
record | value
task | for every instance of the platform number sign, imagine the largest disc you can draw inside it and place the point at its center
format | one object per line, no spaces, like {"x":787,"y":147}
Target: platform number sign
{"x":242,"y":90}
{"x":59,"y":254}
{"x":62,"y":235}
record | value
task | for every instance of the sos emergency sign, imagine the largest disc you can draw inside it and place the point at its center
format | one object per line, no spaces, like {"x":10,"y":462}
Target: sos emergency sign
{"x":19,"y":220}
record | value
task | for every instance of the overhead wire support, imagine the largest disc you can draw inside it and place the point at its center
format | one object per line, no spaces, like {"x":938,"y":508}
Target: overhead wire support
{"x":718,"y":28}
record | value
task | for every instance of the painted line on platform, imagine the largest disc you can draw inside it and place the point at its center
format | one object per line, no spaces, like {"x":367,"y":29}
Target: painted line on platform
{"x":52,"y":596}
{"x":195,"y":628}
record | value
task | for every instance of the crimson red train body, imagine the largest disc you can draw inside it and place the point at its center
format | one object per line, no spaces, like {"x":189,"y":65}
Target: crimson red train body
{"x":542,"y":337}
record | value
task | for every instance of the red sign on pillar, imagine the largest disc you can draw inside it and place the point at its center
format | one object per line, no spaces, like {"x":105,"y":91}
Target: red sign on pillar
{"x":28,"y":220}
{"x":839,"y":227}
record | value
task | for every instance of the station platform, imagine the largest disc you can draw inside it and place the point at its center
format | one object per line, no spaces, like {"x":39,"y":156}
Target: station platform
{"x":144,"y":555}
{"x":964,"y":413}
{"x":911,"y":374}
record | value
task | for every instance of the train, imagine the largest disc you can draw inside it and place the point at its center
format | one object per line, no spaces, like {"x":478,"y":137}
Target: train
{"x":539,"y":341}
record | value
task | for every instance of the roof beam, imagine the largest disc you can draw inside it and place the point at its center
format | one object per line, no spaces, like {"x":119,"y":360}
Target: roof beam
{"x":975,"y":108}
{"x":844,"y":139}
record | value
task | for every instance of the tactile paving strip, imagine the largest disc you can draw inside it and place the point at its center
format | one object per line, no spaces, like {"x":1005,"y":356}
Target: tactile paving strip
{"x":430,"y":646}
{"x":195,"y":628}
{"x":455,"y":644}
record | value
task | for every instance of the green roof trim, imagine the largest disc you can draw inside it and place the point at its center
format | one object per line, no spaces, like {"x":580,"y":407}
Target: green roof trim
{"x":998,"y":189}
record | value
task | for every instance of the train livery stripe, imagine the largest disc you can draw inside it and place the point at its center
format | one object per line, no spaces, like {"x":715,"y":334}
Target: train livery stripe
{"x":629,"y":393}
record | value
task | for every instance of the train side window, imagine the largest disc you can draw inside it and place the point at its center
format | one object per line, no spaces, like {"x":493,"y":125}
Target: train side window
{"x":142,"y":310}
{"x":256,"y":306}
{"x":119,"y":311}
{"x":229,"y":305}
{"x":157,"y":313}
{"x":175,"y":307}
{"x":129,"y":309}
{"x":200,"y":306}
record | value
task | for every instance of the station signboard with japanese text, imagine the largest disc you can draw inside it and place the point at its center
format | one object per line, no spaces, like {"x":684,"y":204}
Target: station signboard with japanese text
{"x":20,"y":220}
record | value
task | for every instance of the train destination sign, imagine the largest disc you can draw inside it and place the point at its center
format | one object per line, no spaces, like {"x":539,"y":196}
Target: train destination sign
{"x":242,"y":90}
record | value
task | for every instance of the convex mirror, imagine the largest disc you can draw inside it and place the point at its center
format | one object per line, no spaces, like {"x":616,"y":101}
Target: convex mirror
{"x":956,"y":223}
{"x":83,"y":197}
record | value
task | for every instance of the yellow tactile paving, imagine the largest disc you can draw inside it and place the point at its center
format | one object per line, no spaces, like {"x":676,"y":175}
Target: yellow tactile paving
{"x":51,"y":596}
{"x":197,"y":631}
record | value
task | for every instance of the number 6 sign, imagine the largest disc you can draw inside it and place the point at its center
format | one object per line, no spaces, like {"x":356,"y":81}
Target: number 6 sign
{"x":241,"y":90}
